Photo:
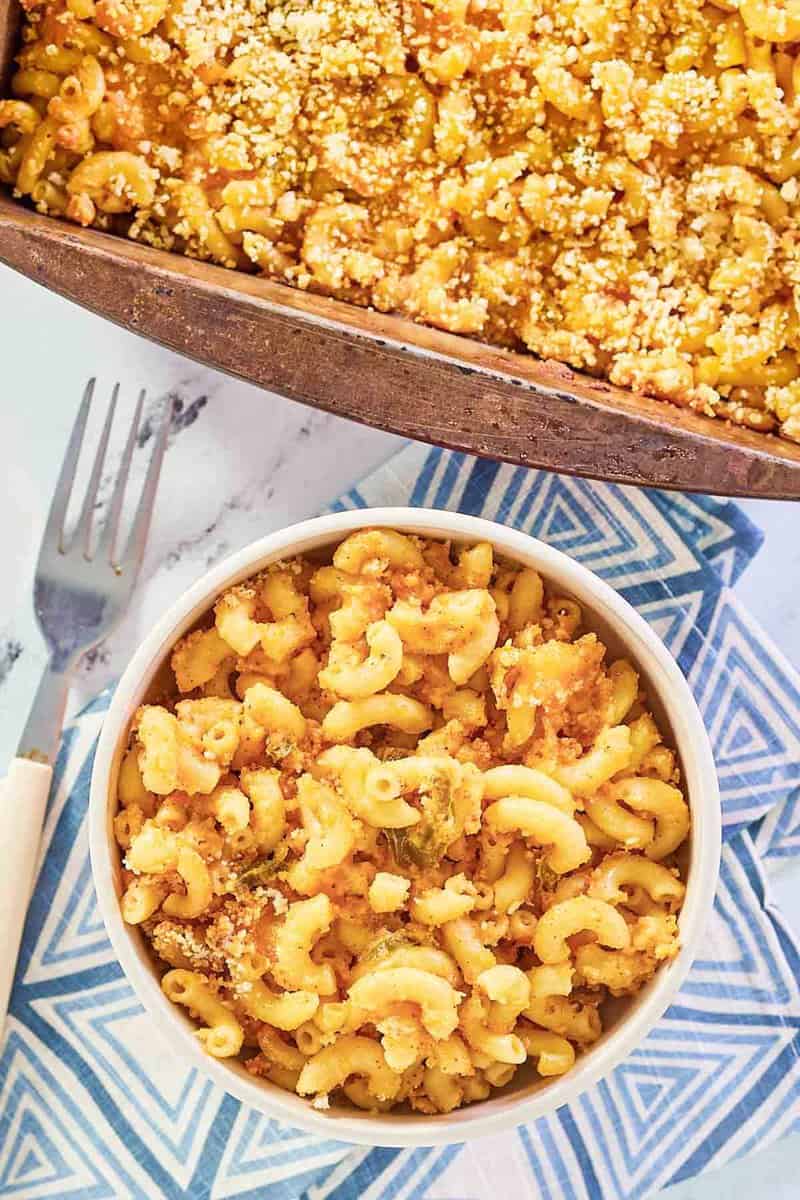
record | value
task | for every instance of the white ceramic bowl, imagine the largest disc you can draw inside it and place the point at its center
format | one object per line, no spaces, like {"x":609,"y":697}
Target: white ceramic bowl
{"x":527,"y":1097}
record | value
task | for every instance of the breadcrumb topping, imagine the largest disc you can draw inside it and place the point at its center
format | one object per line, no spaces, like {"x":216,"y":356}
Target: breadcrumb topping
{"x":611,"y":185}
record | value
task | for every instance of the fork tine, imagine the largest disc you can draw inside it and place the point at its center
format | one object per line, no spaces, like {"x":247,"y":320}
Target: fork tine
{"x":53,"y":536}
{"x":134,"y":549}
{"x":108,"y":535}
{"x":83,"y":530}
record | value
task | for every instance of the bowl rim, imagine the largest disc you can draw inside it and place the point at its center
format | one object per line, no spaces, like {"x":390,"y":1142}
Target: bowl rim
{"x":687,"y":728}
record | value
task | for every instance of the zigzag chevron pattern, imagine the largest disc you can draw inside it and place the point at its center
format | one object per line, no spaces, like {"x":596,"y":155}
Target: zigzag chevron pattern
{"x":93,"y":1106}
{"x":107,"y":1027}
{"x":719,"y":529}
{"x":777,"y":835}
{"x":263,"y":1154}
{"x":749,"y":700}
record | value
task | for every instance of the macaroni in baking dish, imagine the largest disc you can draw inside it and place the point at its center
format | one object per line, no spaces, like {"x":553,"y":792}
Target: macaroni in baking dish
{"x":612,"y":184}
{"x":398,"y":827}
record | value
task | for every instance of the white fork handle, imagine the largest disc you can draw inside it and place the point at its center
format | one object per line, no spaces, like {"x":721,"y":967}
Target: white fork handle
{"x":23,"y":795}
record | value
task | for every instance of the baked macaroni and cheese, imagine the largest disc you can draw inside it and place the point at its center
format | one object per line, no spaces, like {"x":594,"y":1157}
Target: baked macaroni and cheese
{"x":613,"y":185}
{"x":398,"y":827}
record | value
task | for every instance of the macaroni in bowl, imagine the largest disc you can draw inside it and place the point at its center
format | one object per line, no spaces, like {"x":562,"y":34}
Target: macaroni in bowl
{"x":398,"y":827}
{"x":613,"y":185}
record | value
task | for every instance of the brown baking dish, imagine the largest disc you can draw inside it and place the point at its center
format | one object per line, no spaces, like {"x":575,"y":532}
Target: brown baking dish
{"x":386,"y":371}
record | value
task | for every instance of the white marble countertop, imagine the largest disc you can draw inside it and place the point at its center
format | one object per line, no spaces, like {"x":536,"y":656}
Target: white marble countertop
{"x":242,"y":462}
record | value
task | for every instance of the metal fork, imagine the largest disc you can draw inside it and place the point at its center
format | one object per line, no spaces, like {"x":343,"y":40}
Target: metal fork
{"x":80,"y":593}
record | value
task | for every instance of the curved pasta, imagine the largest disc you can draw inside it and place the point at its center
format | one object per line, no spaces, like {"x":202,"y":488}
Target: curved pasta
{"x":452,"y":1056}
{"x":595,"y":836}
{"x":427,"y":774}
{"x":36,"y":154}
{"x":172,"y":755}
{"x":263,"y":788}
{"x":552,"y":979}
{"x":578,"y":1022}
{"x":625,"y":688}
{"x":230,"y":807}
{"x":279,"y":1051}
{"x":498,"y":1047}
{"x":422,"y":957}
{"x":289,"y":631}
{"x":403,"y":1039}
{"x":198,"y":222}
{"x":349,"y":717}
{"x":621,"y":972}
{"x":153,"y":850}
{"x":114,"y":180}
{"x":81,"y":94}
{"x":572,"y":916}
{"x":644,"y":738}
{"x":462,"y":625}
{"x":554,"y":1054}
{"x":331,"y":834}
{"x":211,"y":728}
{"x":223,"y":1035}
{"x":304,"y":923}
{"x":140,"y":900}
{"x":510,"y":989}
{"x":522,"y":926}
{"x":525,"y":600}
{"x":513,"y":779}
{"x":543,"y":824}
{"x":463,"y":943}
{"x":442,"y":1089}
{"x":466,"y":706}
{"x":618,"y":871}
{"x":357,"y":680}
{"x":362,"y":600}
{"x":332,"y":1066}
{"x":610,"y":754}
{"x":285,"y":1010}
{"x":351,"y":767}
{"x":20,"y":114}
{"x":473,"y":569}
{"x":128,"y":824}
{"x":194,"y":873}
{"x":668,"y":807}
{"x":516,"y":883}
{"x":471,"y":656}
{"x":273,"y":712}
{"x":197,"y":658}
{"x":357,"y":1092}
{"x":376,"y":550}
{"x":436,"y":998}
{"x":618,"y":823}
{"x":332,"y":233}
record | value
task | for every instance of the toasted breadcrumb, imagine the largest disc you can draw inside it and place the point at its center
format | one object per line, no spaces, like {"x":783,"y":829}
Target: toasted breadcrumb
{"x":612,"y":185}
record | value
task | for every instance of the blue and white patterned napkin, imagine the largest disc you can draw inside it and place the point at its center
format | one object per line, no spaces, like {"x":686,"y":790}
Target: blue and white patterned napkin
{"x":93,"y":1106}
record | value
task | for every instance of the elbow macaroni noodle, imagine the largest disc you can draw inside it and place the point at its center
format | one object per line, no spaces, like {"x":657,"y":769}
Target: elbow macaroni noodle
{"x":618,"y":192}
{"x":362,"y":889}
